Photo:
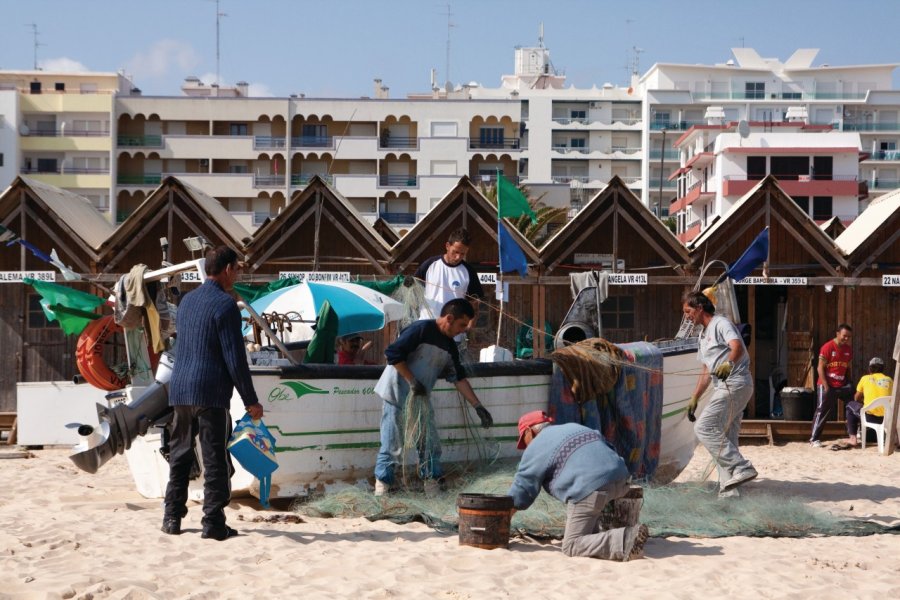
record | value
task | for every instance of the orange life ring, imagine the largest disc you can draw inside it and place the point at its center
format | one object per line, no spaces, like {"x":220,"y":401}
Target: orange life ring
{"x":89,"y":355}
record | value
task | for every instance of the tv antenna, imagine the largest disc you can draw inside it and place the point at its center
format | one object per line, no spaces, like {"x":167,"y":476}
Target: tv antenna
{"x":450,"y":25}
{"x":34,"y":32}
{"x":219,"y":15}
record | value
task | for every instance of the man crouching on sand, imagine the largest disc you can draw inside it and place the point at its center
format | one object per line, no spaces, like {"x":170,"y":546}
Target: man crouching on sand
{"x":576,"y":466}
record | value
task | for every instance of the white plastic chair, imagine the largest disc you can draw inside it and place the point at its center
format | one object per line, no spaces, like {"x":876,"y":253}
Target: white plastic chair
{"x":883,"y":402}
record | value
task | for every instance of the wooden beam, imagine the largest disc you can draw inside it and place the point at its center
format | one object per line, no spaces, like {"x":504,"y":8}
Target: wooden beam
{"x":63,"y":246}
{"x":421,"y":247}
{"x":588,"y":230}
{"x":132,"y":242}
{"x":646,"y":236}
{"x":282,"y":238}
{"x":871,"y":258}
{"x":356,"y":244}
{"x":810,"y":249}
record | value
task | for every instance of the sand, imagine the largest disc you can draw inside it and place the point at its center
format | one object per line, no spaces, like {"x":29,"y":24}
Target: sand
{"x":67,"y":534}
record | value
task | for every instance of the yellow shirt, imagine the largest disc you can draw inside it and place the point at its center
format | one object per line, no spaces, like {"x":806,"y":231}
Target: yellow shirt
{"x":875,"y":385}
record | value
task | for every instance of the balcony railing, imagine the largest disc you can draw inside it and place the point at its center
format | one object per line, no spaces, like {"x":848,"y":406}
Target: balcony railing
{"x":674,"y":125}
{"x":139,"y":180}
{"x":64,"y":133}
{"x":669,"y":154}
{"x":759,"y":95}
{"x":304,"y":179}
{"x":398,"y":142}
{"x":400,"y":218}
{"x":398,"y":181}
{"x":140,"y":141}
{"x":569,"y":178}
{"x":479,"y":144}
{"x":626,"y":149}
{"x":567,"y":149}
{"x":268,"y":181}
{"x":886,"y":155}
{"x":880,"y":183}
{"x":654,"y":182}
{"x":871,"y":126}
{"x":570,"y":120}
{"x":312,"y":141}
{"x":31,"y":170}
{"x":491,"y":179}
{"x":85,"y":170}
{"x":267,"y":141}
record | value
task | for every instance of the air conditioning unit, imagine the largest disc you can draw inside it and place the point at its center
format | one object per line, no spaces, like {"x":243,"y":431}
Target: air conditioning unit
{"x":204,"y":162}
{"x":595,"y":105}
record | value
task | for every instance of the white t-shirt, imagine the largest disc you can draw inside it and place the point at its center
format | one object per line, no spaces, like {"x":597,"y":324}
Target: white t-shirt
{"x":444,"y":282}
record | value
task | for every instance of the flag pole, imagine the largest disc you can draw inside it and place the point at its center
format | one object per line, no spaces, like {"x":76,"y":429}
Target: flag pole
{"x":499,"y":264}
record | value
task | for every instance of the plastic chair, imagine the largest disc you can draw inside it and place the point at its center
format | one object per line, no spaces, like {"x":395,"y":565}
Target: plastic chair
{"x":883,"y":402}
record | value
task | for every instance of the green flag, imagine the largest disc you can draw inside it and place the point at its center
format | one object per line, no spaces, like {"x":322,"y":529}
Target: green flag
{"x":511,"y":202}
{"x":72,"y":308}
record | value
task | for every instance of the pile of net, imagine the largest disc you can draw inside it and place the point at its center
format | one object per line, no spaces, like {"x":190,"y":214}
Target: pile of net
{"x":682,"y":510}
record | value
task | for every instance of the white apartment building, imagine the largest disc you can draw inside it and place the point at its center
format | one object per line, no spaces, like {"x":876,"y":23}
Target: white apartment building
{"x":814,"y":164}
{"x":850,"y":98}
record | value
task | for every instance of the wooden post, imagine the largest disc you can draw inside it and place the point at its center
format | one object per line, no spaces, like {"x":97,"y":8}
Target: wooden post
{"x":751,"y":320}
{"x":891,"y":430}
{"x":535,"y":317}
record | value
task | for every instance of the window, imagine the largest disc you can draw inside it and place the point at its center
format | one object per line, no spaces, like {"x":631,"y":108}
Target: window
{"x":237,"y":169}
{"x":790,"y":168}
{"x":36,"y":317}
{"x":822,"y":209}
{"x":1,"y":159}
{"x":756,"y":167}
{"x":577,"y":143}
{"x":754,"y":90}
{"x":238,"y":129}
{"x":661,"y":119}
{"x":823,"y":167}
{"x":617,"y":312}
{"x":47,"y":165}
{"x":491,"y":136}
{"x":578,"y":114}
{"x":803,"y":203}
{"x":59,"y":86}
{"x":35,"y":87}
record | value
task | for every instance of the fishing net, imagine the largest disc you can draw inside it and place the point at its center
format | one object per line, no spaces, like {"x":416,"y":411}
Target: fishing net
{"x":412,"y":296}
{"x":690,"y":509}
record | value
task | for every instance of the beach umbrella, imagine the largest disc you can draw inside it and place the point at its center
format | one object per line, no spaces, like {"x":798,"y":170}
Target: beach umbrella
{"x":358,"y":308}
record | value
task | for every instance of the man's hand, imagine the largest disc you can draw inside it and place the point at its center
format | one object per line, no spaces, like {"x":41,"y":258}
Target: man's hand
{"x":692,"y":408}
{"x":486,"y":419}
{"x":724,"y":370}
{"x":417,"y":388}
{"x":255,"y":411}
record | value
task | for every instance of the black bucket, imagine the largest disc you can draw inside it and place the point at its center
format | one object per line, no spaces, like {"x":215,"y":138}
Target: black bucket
{"x":798,"y":404}
{"x":484,"y":520}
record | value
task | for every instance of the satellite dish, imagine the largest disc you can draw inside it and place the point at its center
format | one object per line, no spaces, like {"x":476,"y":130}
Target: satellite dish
{"x":24,"y":130}
{"x":743,"y":128}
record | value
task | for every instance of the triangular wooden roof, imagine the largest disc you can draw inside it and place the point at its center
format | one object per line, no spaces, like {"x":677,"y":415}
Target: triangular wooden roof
{"x":463,"y":206}
{"x":614,"y":222}
{"x":833,"y":227}
{"x":175,"y":211}
{"x":387,"y":233}
{"x":319,"y":230}
{"x":51,"y":218}
{"x":873,"y":236}
{"x":796,"y":243}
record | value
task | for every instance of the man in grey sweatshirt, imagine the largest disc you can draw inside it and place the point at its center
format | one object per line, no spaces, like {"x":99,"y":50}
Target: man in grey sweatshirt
{"x":575,"y":465}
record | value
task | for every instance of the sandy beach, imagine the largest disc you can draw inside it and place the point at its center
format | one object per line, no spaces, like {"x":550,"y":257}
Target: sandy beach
{"x":67,"y":534}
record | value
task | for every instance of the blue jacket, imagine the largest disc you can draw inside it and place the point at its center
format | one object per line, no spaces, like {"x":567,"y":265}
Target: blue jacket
{"x":569,"y":461}
{"x":210,"y":357}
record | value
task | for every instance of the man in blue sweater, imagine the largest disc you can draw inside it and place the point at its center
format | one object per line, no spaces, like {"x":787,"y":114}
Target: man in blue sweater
{"x":575,"y":465}
{"x":210,"y":363}
{"x":423,"y":352}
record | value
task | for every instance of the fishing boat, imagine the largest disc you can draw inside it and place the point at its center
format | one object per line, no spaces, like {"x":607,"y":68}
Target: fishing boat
{"x":326,"y":418}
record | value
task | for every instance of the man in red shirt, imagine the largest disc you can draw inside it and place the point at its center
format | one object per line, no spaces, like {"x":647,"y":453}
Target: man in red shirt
{"x":834,"y":379}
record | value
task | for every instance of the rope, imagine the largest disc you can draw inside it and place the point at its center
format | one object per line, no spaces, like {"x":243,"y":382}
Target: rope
{"x":591,"y":366}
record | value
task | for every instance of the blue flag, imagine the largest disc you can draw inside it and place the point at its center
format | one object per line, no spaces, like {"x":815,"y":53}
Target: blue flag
{"x":511,"y":256}
{"x":755,"y":254}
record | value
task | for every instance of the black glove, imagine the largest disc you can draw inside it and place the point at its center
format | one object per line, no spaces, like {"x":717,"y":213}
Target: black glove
{"x":486,"y":419}
{"x":417,"y":388}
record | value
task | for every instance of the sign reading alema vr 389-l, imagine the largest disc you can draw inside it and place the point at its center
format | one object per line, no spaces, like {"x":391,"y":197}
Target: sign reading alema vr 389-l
{"x":18,"y":276}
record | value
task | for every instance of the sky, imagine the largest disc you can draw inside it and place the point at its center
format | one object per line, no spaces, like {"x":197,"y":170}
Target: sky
{"x":335,"y":48}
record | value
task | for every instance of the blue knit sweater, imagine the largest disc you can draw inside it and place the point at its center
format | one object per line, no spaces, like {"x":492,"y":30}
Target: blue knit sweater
{"x":210,"y":360}
{"x":569,"y":461}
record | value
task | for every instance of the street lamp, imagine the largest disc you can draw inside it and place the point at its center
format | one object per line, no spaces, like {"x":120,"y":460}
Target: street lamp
{"x":662,"y":157}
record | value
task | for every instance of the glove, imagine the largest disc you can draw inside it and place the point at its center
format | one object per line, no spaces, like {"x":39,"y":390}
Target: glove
{"x":724,"y":370}
{"x":486,"y":419}
{"x":417,"y":388}
{"x":692,"y":408}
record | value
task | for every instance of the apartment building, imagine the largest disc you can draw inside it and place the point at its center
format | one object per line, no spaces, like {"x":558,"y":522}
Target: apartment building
{"x":59,"y":128}
{"x":749,"y":87}
{"x":720,"y":162}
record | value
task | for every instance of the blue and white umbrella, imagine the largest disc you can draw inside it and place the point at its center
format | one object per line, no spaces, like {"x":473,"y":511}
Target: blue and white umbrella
{"x":358,"y":308}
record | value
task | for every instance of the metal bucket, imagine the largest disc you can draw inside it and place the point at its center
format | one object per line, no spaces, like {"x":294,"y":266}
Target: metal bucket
{"x":484,"y":520}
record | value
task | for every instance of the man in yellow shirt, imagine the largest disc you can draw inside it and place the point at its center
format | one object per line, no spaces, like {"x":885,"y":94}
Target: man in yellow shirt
{"x":874,"y":385}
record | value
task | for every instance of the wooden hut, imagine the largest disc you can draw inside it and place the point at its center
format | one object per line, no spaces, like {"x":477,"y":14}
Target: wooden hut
{"x":387,"y":233}
{"x":49,"y":218}
{"x":615,"y":228}
{"x":175,"y":211}
{"x":465,"y":206}
{"x":790,"y":309}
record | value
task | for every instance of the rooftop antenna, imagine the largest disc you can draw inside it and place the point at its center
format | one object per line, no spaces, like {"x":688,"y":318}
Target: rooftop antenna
{"x":447,"y":63}
{"x":219,"y":15}
{"x":636,"y":59}
{"x":541,"y":36}
{"x":34,"y":32}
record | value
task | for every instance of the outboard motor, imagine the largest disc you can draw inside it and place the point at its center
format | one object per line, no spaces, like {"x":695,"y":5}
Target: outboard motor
{"x":581,"y":322}
{"x":122,"y":423}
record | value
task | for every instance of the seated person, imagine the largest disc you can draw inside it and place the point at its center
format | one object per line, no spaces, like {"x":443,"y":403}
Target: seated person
{"x":352,"y":350}
{"x":874,"y":385}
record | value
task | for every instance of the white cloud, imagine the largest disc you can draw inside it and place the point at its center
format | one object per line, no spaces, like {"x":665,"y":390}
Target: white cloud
{"x":256,"y":90}
{"x":260,"y":90}
{"x":162,"y":58}
{"x":62,"y":65}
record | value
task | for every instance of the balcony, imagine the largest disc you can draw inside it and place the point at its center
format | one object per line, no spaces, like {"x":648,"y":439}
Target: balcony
{"x":267,"y":142}
{"x":146,"y":180}
{"x":885,"y":155}
{"x":303,"y":179}
{"x":692,"y":231}
{"x":653,"y":183}
{"x":871,"y":126}
{"x":694,"y":194}
{"x":264,"y":181}
{"x":491,"y":179}
{"x":571,"y":121}
{"x":674,"y":125}
{"x":667,"y":155}
{"x":391,"y":142}
{"x":397,"y":181}
{"x":880,"y":183}
{"x":563,"y":149}
{"x":569,"y":178}
{"x":479,"y":144}
{"x":837,"y":185}
{"x":312,"y":141}
{"x":65,"y":133}
{"x":140,"y":141}
{"x":400,"y":218}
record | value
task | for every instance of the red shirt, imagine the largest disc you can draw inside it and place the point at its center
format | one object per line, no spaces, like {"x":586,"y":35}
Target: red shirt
{"x":837,"y":361}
